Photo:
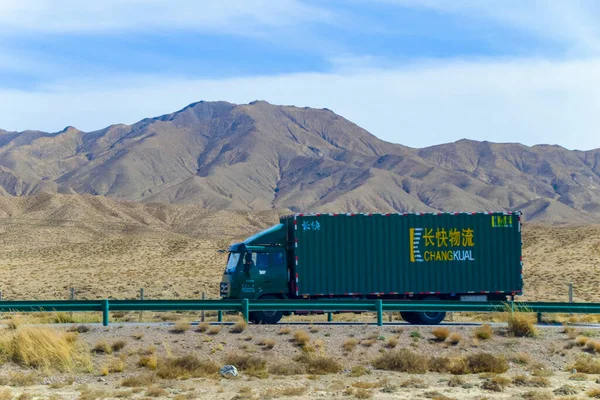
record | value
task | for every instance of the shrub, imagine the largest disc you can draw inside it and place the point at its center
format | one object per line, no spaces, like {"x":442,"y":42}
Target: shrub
{"x":118,"y":345}
{"x":268,"y":343}
{"x":116,"y":365}
{"x":392,"y":343}
{"x":496,"y":384}
{"x":319,"y":365}
{"x":592,"y":346}
{"x":285,"y":330}
{"x":403,"y":360}
{"x":359,"y":370}
{"x":587,"y":365}
{"x":581,"y":340}
{"x":150,"y":362}
{"x":288,"y":368}
{"x":138,"y":380}
{"x":484,"y":332}
{"x":521,"y":358}
{"x":181,"y":327}
{"x":249,"y":363}
{"x":415,"y":335}
{"x":102,"y":347}
{"x":239,"y":327}
{"x":593,"y":393}
{"x":313,"y":329}
{"x":486,"y":362}
{"x":45,"y":348}
{"x":214,"y":330}
{"x":80,"y":329}
{"x":438,"y":364}
{"x":521,"y":324}
{"x":202,"y":327}
{"x":188,"y":366}
{"x":440,"y":333}
{"x":350,"y":344}
{"x":301,"y":338}
{"x":414,"y":383}
{"x":456,"y":381}
{"x":454,"y":338}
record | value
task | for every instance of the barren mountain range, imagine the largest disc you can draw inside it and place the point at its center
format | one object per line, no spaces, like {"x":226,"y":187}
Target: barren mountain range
{"x":260,"y":156}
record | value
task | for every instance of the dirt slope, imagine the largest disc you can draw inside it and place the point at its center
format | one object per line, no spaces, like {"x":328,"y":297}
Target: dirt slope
{"x":105,"y":248}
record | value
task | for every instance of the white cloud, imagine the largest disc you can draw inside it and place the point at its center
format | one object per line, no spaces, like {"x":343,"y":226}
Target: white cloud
{"x":112,"y":16}
{"x":527,"y":101}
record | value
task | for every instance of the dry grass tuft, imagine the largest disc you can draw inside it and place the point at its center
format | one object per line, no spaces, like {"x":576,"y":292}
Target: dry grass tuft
{"x":188,"y":366}
{"x":496,"y":384}
{"x":454,"y":339}
{"x":521,"y":324}
{"x":350,"y":344}
{"x":118,"y":345}
{"x":301,"y":338}
{"x":285,"y":330}
{"x":202,"y":327}
{"x":392,"y":343}
{"x":45,"y":348}
{"x":484,"y":332}
{"x":181,"y":327}
{"x":287,"y":368}
{"x":581,"y":340}
{"x":594,"y":393}
{"x":267,"y":343}
{"x":441,"y":334}
{"x":102,"y":347}
{"x":139,"y":380}
{"x":403,"y":360}
{"x":319,"y":365}
{"x":587,"y":365}
{"x":251,"y":364}
{"x":239,"y":327}
{"x":150,"y":362}
{"x":214,"y":329}
{"x":156,"y":392}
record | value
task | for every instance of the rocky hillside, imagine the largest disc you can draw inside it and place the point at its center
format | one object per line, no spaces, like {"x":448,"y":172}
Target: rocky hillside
{"x":261,"y":156}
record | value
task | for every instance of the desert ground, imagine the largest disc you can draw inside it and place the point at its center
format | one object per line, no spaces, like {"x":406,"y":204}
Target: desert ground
{"x":316,"y":361}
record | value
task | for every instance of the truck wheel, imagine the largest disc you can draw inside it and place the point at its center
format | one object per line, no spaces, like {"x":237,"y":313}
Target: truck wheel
{"x":410,"y":317}
{"x":430,"y":318}
{"x":265,"y":317}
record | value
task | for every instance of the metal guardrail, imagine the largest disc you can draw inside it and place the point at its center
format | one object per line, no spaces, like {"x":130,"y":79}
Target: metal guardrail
{"x":246,"y":306}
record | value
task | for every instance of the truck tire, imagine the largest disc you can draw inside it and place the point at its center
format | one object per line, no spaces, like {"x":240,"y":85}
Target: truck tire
{"x":266,"y":317}
{"x":430,"y":318}
{"x":410,"y":317}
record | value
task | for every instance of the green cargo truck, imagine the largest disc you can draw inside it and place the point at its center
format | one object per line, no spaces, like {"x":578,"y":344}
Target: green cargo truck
{"x":410,"y":256}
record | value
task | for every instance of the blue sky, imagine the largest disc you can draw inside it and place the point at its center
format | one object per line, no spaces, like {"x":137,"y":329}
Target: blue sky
{"x":416,"y":72}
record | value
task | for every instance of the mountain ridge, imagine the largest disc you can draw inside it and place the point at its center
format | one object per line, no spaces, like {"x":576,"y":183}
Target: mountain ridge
{"x":259,"y":156}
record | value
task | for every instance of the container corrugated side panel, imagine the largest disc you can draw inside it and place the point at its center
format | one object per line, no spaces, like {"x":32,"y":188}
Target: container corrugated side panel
{"x":365,"y":254}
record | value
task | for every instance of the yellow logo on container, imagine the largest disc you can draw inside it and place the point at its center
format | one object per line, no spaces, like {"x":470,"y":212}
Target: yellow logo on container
{"x":441,"y":245}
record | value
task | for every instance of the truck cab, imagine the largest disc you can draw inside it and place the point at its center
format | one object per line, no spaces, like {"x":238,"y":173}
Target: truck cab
{"x":257,"y":268}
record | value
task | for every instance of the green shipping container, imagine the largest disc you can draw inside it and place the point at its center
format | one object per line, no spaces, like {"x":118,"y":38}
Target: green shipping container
{"x":405,"y":254}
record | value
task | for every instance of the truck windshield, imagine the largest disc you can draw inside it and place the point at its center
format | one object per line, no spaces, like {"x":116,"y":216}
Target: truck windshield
{"x":232,"y":263}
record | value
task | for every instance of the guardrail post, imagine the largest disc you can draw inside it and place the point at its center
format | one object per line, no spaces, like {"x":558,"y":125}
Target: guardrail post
{"x":202,"y":319}
{"x":0,"y":295}
{"x":329,"y":317}
{"x":105,"y":312}
{"x":220,"y":316}
{"x":379,"y":307}
{"x":539,"y":318}
{"x":141,"y":298}
{"x":245,"y":309}
{"x":570,"y":292}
